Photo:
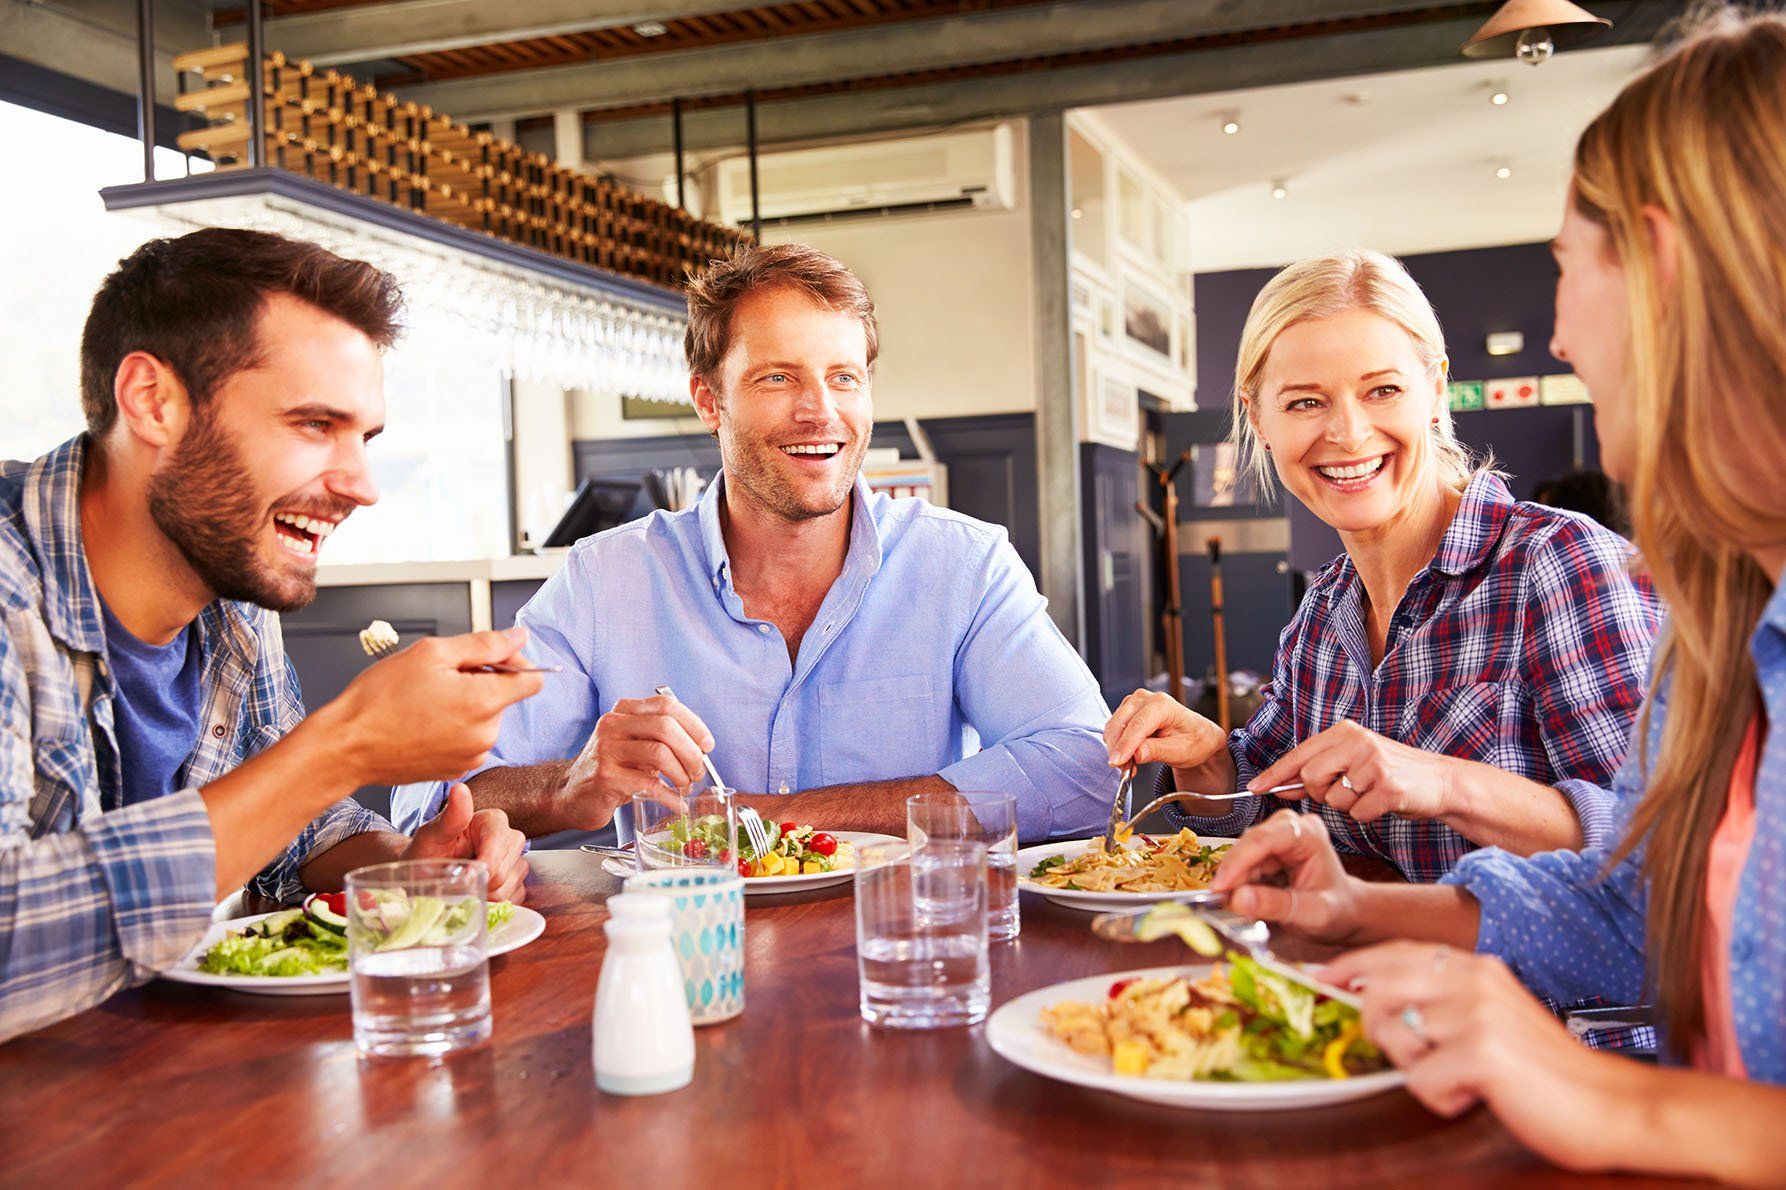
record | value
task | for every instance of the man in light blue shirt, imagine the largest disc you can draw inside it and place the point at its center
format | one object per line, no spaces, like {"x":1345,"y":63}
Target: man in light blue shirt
{"x":835,"y":647}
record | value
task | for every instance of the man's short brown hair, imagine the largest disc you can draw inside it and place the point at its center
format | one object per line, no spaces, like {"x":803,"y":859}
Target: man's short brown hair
{"x":194,"y":303}
{"x":715,"y":291}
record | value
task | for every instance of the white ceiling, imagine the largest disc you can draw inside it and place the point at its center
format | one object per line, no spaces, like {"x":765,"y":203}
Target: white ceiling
{"x":1402,"y":162}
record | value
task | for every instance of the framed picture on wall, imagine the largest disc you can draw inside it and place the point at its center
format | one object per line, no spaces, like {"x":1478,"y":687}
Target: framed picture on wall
{"x":1113,"y":416}
{"x":1147,"y":321}
{"x":1133,"y":212}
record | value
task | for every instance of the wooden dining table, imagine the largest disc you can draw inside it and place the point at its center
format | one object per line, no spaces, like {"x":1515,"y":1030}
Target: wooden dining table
{"x":175,"y":1084}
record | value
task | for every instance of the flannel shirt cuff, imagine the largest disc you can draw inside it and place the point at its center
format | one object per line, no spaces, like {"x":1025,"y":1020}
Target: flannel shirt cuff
{"x":1232,"y":825}
{"x":281,"y":879}
{"x":159,"y":864}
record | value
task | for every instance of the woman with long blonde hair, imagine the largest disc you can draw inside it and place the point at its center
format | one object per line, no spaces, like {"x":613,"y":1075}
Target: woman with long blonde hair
{"x":1467,"y":672}
{"x":1672,"y":260}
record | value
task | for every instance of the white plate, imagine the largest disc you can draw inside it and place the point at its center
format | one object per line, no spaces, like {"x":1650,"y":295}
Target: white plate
{"x":516,"y":932}
{"x":1016,"y":1034}
{"x":762,"y":886}
{"x":1096,"y":902}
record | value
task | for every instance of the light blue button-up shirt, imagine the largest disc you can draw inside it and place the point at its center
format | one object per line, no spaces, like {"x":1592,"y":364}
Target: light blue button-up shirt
{"x":932,"y":654}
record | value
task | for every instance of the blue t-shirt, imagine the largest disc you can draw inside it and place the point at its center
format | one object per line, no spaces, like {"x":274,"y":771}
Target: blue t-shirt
{"x":156,"y":709}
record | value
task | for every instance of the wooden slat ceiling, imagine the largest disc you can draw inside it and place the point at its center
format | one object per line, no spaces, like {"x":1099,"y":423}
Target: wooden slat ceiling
{"x":810,"y":17}
{"x":1060,"y":61}
{"x":621,"y":41}
{"x":680,"y":33}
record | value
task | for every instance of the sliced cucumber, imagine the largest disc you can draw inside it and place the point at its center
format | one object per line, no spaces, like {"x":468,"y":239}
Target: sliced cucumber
{"x":324,"y":918}
{"x":423,"y":913}
{"x":274,"y":925}
{"x":1173,"y":918}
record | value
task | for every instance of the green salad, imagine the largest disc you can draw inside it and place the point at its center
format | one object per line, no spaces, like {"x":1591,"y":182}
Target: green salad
{"x":312,"y":939}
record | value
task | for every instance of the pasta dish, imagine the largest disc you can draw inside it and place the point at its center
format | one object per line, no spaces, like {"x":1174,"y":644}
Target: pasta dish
{"x":1176,"y":864}
{"x":1239,"y":1023}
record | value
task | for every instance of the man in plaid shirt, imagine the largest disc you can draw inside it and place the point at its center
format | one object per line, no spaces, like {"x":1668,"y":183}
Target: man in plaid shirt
{"x":154,"y":752}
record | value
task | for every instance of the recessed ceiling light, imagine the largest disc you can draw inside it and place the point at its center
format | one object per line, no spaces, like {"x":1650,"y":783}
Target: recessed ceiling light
{"x":1231,"y":125}
{"x":651,"y":28}
{"x":1503,"y":170}
{"x":1279,"y":189}
{"x":1078,"y":214}
{"x":1499,"y":98}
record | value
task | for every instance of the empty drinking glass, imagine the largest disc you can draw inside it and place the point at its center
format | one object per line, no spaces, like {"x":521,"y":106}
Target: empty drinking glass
{"x":988,"y":818}
{"x":921,"y":934}
{"x":705,"y":836}
{"x":415,"y":946}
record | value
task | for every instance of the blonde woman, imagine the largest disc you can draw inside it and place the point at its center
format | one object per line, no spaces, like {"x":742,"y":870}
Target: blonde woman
{"x":1673,"y":265}
{"x":1466,"y":673}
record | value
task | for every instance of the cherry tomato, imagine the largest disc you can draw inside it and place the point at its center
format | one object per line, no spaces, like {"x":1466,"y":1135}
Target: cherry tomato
{"x":336,"y":901}
{"x":822,"y":844}
{"x":1117,"y":987}
{"x":744,"y":867}
{"x":788,"y":828}
{"x":695,"y":848}
{"x":725,"y":856}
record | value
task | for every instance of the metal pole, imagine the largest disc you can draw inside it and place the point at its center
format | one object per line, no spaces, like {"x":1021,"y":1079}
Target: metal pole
{"x":676,"y":126}
{"x":257,"y":109}
{"x":145,"y":84}
{"x":750,"y":143}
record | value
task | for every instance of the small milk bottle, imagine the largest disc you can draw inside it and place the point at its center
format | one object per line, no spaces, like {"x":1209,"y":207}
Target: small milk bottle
{"x":643,"y":1042}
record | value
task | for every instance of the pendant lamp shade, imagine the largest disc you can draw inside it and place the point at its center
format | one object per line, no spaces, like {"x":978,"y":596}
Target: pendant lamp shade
{"x":1566,"y":24}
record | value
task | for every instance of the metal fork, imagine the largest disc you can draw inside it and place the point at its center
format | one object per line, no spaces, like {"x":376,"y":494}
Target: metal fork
{"x":1185,"y":796}
{"x":1254,"y":937}
{"x":751,"y":820}
{"x":1118,"y":804}
{"x":719,"y":786}
{"x":380,"y":645}
{"x":753,"y":826}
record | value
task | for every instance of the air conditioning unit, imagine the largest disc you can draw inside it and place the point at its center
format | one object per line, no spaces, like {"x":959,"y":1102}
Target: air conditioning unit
{"x":951,"y":171}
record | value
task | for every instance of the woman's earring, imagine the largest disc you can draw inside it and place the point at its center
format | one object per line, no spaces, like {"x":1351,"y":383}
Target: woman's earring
{"x":1268,"y":447}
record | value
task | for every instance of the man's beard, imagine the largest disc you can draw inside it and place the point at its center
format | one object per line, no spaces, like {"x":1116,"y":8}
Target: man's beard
{"x":207,"y":503}
{"x":751,"y":469}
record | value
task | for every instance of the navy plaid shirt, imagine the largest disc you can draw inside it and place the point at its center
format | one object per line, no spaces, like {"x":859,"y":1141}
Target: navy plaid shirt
{"x":1524,"y":644}
{"x":95,"y":894}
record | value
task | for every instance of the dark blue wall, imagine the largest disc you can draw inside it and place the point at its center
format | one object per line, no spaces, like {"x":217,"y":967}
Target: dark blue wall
{"x":1476,"y":292}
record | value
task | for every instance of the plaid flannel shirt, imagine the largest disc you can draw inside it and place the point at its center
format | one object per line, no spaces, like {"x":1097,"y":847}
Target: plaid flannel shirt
{"x":94,"y":894}
{"x":1524,"y":644}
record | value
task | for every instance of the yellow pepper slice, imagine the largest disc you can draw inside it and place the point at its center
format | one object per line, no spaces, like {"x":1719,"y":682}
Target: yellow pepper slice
{"x":1336,"y":1050}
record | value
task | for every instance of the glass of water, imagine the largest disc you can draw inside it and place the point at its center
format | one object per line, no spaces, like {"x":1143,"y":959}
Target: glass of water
{"x":988,"y":818}
{"x":415,"y":947}
{"x":921,"y":934}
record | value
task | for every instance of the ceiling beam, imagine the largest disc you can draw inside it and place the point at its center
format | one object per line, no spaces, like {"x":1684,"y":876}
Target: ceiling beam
{"x":95,"y":40}
{"x":365,"y":33}
{"x":960,"y":40}
{"x":915,"y":108}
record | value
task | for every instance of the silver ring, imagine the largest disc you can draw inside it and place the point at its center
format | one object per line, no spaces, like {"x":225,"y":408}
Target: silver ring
{"x":1345,"y":781}
{"x":1416,"y":1023}
{"x":1295,"y":826}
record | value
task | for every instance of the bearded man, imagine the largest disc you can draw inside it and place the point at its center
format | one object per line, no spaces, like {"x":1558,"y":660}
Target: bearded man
{"x":154,"y":750}
{"x":836,"y":650}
